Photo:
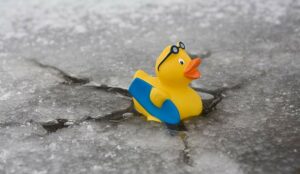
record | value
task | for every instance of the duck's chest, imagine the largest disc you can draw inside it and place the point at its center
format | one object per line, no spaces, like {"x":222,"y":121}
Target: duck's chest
{"x":188,"y":102}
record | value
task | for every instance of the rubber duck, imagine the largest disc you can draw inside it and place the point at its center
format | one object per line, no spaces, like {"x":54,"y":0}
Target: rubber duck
{"x":168,"y":97}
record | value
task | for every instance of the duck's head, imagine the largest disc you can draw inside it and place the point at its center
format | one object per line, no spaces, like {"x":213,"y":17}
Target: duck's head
{"x":174,"y":66}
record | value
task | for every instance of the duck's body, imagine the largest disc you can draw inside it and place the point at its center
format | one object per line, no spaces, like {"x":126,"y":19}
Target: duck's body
{"x":170,"y":86}
{"x":186,"y":100}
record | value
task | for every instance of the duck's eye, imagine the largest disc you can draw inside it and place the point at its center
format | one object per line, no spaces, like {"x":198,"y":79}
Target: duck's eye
{"x":181,"y":61}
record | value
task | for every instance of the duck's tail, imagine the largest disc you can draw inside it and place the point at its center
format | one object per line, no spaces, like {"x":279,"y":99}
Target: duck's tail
{"x":140,"y":74}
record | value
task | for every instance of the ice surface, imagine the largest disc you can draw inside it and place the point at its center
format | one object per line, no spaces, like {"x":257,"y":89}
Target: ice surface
{"x":32,"y":93}
{"x":255,"y":50}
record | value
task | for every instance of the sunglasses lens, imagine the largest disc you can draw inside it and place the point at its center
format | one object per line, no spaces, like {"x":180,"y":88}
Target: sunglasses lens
{"x":181,"y":45}
{"x":174,"y":49}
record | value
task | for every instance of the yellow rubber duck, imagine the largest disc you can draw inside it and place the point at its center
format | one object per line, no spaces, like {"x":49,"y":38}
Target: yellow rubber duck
{"x":168,"y":97}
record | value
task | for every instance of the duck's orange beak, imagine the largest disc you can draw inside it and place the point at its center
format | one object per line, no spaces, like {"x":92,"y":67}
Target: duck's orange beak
{"x":191,"y":70}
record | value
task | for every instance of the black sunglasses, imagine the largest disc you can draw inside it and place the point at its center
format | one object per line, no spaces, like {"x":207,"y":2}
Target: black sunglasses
{"x":174,"y":50}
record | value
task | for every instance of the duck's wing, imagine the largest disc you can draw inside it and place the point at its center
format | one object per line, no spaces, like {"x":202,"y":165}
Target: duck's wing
{"x":158,"y":97}
{"x":167,"y":113}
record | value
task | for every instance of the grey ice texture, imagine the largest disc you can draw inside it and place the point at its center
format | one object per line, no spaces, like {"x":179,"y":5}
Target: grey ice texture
{"x":255,"y":129}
